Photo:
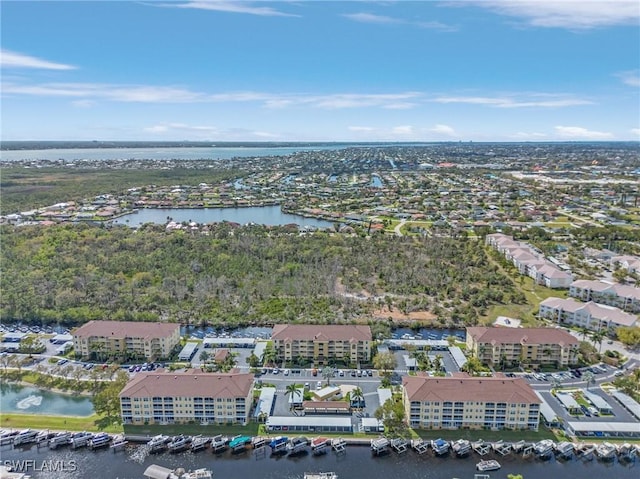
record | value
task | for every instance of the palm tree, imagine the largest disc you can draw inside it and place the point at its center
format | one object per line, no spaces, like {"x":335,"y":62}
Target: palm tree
{"x":357,"y":394}
{"x":292,"y":391}
{"x":597,"y":337}
{"x":437,"y":362}
{"x":589,"y":378}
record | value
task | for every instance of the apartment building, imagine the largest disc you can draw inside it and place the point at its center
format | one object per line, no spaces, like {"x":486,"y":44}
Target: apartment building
{"x":627,"y":298}
{"x":588,"y":315}
{"x":493,"y":346}
{"x":462,"y":401}
{"x":162,"y":397}
{"x":322,"y":343}
{"x":126,"y":338}
{"x":530,"y":262}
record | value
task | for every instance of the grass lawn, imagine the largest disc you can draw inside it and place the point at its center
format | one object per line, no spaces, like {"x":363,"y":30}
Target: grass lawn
{"x":62,"y":423}
{"x":191,"y":429}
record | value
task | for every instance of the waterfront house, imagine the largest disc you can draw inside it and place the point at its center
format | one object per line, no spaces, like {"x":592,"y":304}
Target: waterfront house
{"x":146,"y":340}
{"x":322,"y":343}
{"x":462,"y":401}
{"x":162,"y":397}
{"x":494,"y":346}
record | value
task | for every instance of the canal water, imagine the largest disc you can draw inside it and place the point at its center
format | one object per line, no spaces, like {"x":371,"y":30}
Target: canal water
{"x":263,"y":215}
{"x":29,"y":400}
{"x":356,"y":463}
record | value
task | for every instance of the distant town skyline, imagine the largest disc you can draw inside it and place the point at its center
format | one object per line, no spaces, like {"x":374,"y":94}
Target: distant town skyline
{"x":493,"y":70}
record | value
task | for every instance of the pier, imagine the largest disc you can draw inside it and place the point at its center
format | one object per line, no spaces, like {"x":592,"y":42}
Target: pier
{"x":218,"y":443}
{"x":399,"y":445}
{"x":481,"y":447}
{"x":419,"y":445}
{"x":339,"y":445}
{"x":380,"y":445}
{"x":501,"y":448}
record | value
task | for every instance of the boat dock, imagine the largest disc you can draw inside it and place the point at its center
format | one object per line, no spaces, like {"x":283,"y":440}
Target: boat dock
{"x":419,"y":445}
{"x":380,"y":445}
{"x":218,"y":443}
{"x":481,"y":447}
{"x":339,"y":445}
{"x":399,"y":445}
{"x":119,"y":442}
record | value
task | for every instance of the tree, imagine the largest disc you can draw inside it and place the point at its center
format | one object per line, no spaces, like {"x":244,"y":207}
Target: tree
{"x":269,"y":355}
{"x":357,"y":396}
{"x":597,"y":338}
{"x":472,"y":366}
{"x":588,"y":378}
{"x":106,"y":401}
{"x":204,"y":356}
{"x":391,"y":413}
{"x":385,"y":362}
{"x":437,"y":363}
{"x":327,"y":373}
{"x":252,"y":360}
{"x":30,"y":345}
{"x":629,"y":336}
{"x":515,"y":476}
{"x":293,"y":390}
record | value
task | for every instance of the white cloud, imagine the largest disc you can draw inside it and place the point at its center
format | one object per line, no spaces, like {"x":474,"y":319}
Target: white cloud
{"x":232,"y":7}
{"x":206,"y":132}
{"x":10,"y":59}
{"x":402,"y":130}
{"x":361,"y":128}
{"x":570,"y":14}
{"x":631,"y":78}
{"x":363,"y":17}
{"x":443,"y":130}
{"x":521,"y":135}
{"x":535,"y":101}
{"x":579,"y":133}
{"x":636,"y":132}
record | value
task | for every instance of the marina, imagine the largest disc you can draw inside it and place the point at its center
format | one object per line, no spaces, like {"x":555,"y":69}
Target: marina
{"x":353,"y":460}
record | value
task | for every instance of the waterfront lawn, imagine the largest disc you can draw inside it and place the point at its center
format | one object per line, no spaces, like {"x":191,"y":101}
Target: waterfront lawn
{"x":486,"y":435}
{"x":92,"y":423}
{"x":191,"y":429}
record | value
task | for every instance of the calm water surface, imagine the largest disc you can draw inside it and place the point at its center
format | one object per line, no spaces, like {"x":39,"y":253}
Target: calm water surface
{"x":264,"y":215}
{"x":356,"y":463}
{"x":29,"y":400}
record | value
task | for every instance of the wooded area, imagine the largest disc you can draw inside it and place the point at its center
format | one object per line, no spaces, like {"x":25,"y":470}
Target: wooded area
{"x":235,"y":276}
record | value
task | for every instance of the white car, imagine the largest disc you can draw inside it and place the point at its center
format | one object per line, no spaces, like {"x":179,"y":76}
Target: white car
{"x":319,"y":385}
{"x":285,"y":372}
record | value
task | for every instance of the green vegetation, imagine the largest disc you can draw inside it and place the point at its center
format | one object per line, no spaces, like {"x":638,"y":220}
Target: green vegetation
{"x":240,"y":276}
{"x":92,"y":423}
{"x":191,"y":429}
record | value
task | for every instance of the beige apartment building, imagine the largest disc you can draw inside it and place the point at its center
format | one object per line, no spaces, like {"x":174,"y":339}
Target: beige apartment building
{"x":147,"y":340}
{"x":161,"y":397}
{"x":462,"y":401}
{"x":322,"y":343}
{"x":493,"y":346}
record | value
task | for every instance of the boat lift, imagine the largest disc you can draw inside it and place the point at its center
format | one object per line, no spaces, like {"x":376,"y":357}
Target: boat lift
{"x":399,"y":444}
{"x":419,"y":445}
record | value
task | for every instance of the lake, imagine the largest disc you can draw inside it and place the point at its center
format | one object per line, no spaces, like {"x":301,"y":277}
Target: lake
{"x":264,"y":215}
{"x":29,"y":400}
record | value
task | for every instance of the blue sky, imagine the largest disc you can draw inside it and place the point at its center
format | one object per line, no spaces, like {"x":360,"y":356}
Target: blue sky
{"x":485,"y":70}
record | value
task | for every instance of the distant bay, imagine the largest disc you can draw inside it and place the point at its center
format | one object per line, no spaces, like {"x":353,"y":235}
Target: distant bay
{"x":262,"y":215}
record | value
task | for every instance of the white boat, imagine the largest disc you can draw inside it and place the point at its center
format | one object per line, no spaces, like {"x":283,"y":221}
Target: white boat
{"x":25,"y":437}
{"x":199,"y":442}
{"x":79,"y":439}
{"x":179,"y":443}
{"x":320,"y":475}
{"x":490,"y":465}
{"x":60,"y":439}
{"x":319,"y":445}
{"x":119,"y":442}
{"x":201,"y":473}
{"x":102,"y":439}
{"x":606,"y":451}
{"x":461,"y":447}
{"x":544,"y":448}
{"x":440,"y":446}
{"x":297,"y":444}
{"x":158,"y":443}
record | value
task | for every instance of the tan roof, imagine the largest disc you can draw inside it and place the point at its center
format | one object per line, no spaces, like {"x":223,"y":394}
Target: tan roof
{"x":332,"y":332}
{"x":325,"y":404}
{"x":190,"y":384}
{"x":495,"y":389}
{"x":126,"y":329}
{"x":521,"y":336}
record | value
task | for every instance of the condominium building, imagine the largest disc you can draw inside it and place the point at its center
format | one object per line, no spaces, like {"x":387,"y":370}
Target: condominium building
{"x":522,"y":345}
{"x":589,"y":315}
{"x":146,"y":340}
{"x":470,"y":402}
{"x":530,"y":262}
{"x":322,"y":343}
{"x":621,"y":296}
{"x":161,"y":397}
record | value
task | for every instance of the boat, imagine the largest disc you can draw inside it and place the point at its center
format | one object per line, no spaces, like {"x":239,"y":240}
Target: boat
{"x":490,"y":465}
{"x":179,"y":443}
{"x":320,"y":445}
{"x":199,"y":442}
{"x":439,"y":446}
{"x":44,"y":436}
{"x":158,"y":443}
{"x":201,"y":473}
{"x":60,"y":439}
{"x":79,"y":439}
{"x":258,"y":442}
{"x":102,"y":439}
{"x":7,"y":436}
{"x":239,"y":443}
{"x":564,"y":449}
{"x":379,"y":445}
{"x":25,"y":436}
{"x":606,"y":451}
{"x":544,"y":449}
{"x":119,"y":442}
{"x":297,"y":444}
{"x":320,"y":475}
{"x":155,"y":471}
{"x":278,"y":443}
{"x":461,"y":447}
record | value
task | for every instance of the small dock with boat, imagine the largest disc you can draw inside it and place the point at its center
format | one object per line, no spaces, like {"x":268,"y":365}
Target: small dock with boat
{"x":420,"y":446}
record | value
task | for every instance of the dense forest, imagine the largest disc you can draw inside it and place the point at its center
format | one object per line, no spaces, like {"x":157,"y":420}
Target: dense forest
{"x":241,"y":275}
